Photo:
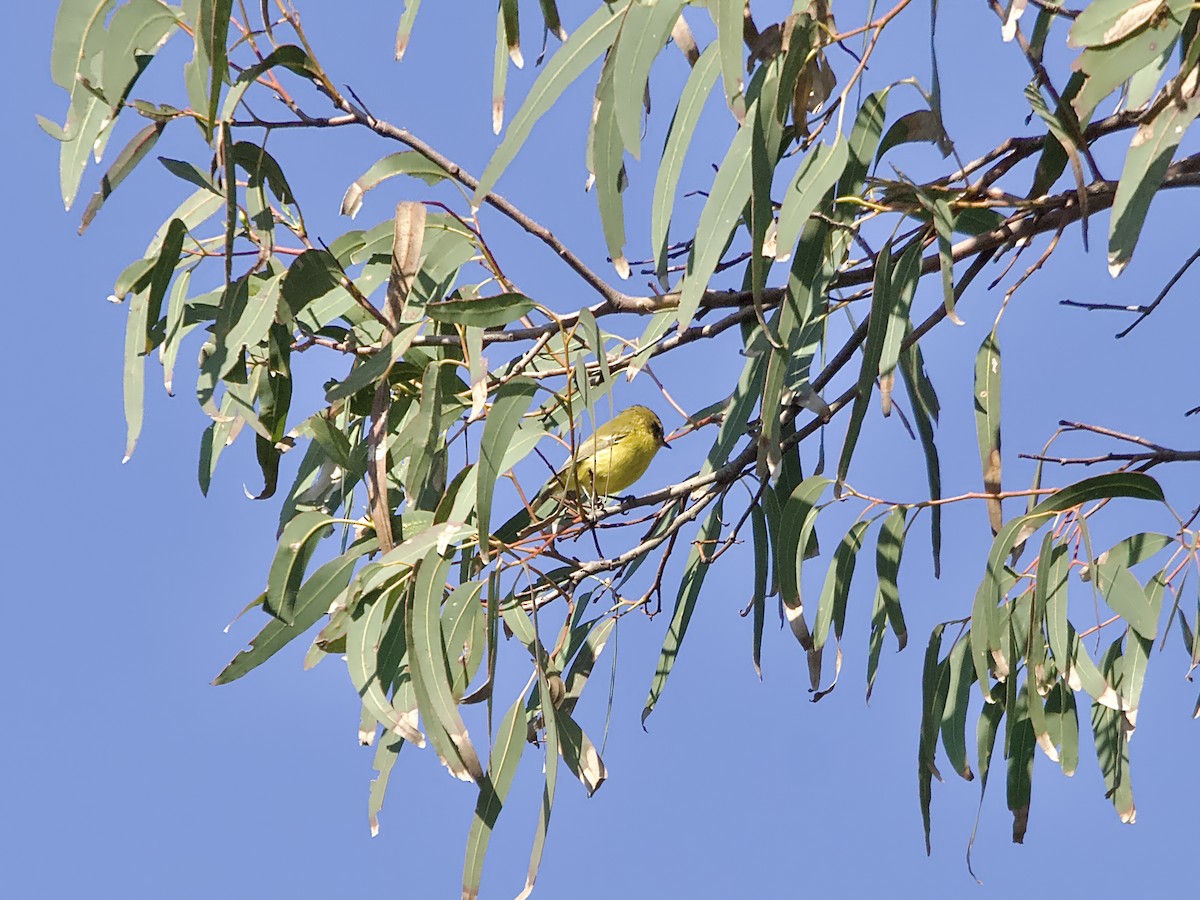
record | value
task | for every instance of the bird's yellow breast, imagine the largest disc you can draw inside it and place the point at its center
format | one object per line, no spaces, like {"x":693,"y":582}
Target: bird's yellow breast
{"x":613,"y":468}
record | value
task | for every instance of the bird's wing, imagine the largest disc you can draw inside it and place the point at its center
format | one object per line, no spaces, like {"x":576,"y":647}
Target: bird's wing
{"x":595,"y":444}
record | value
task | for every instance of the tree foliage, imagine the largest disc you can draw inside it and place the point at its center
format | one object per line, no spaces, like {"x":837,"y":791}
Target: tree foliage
{"x":448,"y":383}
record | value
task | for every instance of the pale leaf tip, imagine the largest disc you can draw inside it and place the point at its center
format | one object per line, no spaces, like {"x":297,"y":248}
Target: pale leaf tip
{"x":621,"y":264}
{"x":497,"y":115}
{"x":514,"y":53}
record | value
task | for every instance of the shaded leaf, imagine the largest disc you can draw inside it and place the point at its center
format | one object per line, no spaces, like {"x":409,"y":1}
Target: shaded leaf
{"x":694,"y":571}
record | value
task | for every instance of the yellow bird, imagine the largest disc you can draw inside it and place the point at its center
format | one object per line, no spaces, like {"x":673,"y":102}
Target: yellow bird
{"x":613,"y":458}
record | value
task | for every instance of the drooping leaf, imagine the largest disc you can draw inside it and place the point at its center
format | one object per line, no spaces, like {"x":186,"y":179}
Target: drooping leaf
{"x":511,"y":403}
{"x":694,"y":570}
{"x":1150,"y":153}
{"x":832,"y":606}
{"x":888,"y":550}
{"x":987,"y":422}
{"x":297,"y":543}
{"x":579,"y":51}
{"x":312,"y":602}
{"x":404,"y":29}
{"x":815,"y":176}
{"x":727,"y":16}
{"x":493,"y":791}
{"x":679,"y":135}
{"x":427,"y":663}
{"x":961,"y":676}
{"x":935,"y":681}
{"x":643,"y":36}
{"x":406,"y":162}
{"x":872,"y":350}
{"x":1020,"y":764}
{"x":127,"y":160}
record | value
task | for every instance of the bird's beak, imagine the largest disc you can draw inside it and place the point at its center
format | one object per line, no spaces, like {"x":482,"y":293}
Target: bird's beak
{"x":663,"y":443}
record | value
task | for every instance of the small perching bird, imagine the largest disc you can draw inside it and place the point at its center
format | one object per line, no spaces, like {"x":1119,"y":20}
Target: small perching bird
{"x":615,"y":456}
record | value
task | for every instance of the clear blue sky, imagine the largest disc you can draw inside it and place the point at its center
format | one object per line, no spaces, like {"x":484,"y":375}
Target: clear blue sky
{"x":129,"y":775}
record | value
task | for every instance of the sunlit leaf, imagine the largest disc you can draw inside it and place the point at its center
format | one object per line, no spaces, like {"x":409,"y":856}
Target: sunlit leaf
{"x":987,"y":422}
{"x":579,"y":51}
{"x":694,"y":571}
{"x":679,"y":135}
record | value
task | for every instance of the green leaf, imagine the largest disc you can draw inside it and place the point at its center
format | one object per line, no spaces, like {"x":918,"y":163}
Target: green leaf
{"x":1062,"y":726}
{"x":954,"y":715}
{"x":297,"y":542}
{"x":1050,"y":589}
{"x":832,"y":606}
{"x":406,"y":162}
{"x":1020,"y":764}
{"x":580,"y":754}
{"x":98,"y":68}
{"x":427,"y":663}
{"x":987,"y":422}
{"x":795,"y":526}
{"x":608,"y":169}
{"x":367,"y":372}
{"x":253,"y":322}
{"x":213,"y":29}
{"x":1108,"y":21}
{"x":762,"y":567}
{"x":585,"y":660}
{"x":511,"y":403}
{"x":728,"y":17}
{"x":925,"y":410}
{"x":312,"y":602}
{"x":499,"y":73}
{"x":887,"y":567}
{"x":404,"y":29}
{"x":482,"y":312}
{"x":579,"y":51}
{"x":493,"y":791}
{"x":694,"y":570}
{"x":1112,"y":749}
{"x":1107,"y":68}
{"x":905,"y":276}
{"x":127,"y":160}
{"x":722,"y":210}
{"x":1124,"y":596}
{"x":877,"y":324}
{"x":1146,"y":163}
{"x":550,"y":721}
{"x":1132,"y":550}
{"x":815,"y":177}
{"x":287,"y":56}
{"x":174,"y":328}
{"x":512,"y":31}
{"x":364,"y":634}
{"x":643,"y":36}
{"x":551,"y":19}
{"x":679,"y":135}
{"x":943,"y":225}
{"x":135,"y":369}
{"x":875,"y":642}
{"x":922,"y":125}
{"x":935,"y":681}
